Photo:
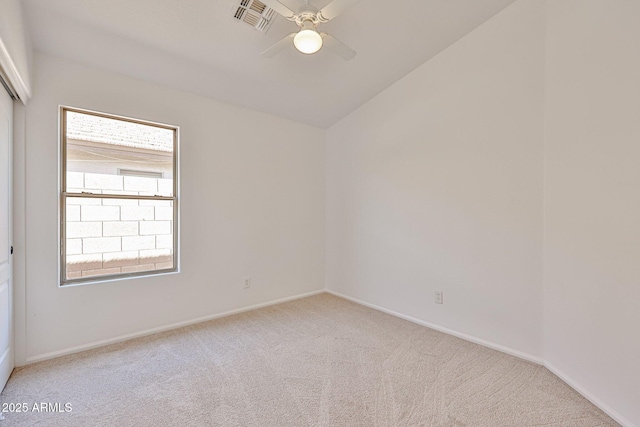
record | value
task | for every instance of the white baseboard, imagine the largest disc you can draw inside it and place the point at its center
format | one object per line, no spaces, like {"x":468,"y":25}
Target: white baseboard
{"x":516,"y":353}
{"x":101,"y":343}
{"x":519,"y":354}
{"x":590,"y":397}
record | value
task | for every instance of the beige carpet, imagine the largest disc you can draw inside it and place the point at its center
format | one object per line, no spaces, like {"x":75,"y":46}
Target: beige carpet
{"x":319,"y":361}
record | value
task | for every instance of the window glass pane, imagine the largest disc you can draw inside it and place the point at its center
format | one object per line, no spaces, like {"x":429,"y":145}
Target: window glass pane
{"x":116,"y":236}
{"x":105,"y":155}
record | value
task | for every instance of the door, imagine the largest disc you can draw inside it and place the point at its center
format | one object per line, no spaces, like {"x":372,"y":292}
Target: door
{"x":6,"y":297}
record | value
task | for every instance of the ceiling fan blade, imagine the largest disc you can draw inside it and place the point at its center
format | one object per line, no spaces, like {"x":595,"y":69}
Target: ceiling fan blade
{"x":278,"y":47}
{"x":335,"y":8}
{"x":279,"y":7}
{"x":337,"y":47}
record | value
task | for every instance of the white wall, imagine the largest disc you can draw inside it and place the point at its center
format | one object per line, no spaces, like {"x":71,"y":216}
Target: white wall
{"x":505,"y":172}
{"x":436,"y":184}
{"x":592,"y":199}
{"x":15,"y":47}
{"x":260,"y":212}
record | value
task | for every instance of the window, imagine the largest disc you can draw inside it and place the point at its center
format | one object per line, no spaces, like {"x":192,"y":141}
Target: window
{"x":119,"y":204}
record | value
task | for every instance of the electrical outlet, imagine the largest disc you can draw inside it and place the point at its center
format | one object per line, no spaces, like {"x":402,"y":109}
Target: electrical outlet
{"x":439,"y":297}
{"x":247,"y":282}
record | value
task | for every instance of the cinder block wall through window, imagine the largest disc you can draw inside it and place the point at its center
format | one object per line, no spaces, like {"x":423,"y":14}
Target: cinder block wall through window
{"x":111,"y":236}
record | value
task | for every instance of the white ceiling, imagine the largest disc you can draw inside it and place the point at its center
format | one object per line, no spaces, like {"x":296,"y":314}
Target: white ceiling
{"x":196,"y":45}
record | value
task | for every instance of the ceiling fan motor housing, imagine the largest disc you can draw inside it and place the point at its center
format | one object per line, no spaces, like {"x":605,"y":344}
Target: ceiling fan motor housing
{"x":308,"y":25}
{"x":306,"y":16}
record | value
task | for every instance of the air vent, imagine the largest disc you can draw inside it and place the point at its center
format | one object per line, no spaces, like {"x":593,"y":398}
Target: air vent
{"x":240,"y":13}
{"x":257,"y":6}
{"x":251,"y":19}
{"x":254,"y":13}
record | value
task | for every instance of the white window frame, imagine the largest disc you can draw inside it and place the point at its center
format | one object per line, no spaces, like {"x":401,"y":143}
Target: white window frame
{"x":64,"y":194}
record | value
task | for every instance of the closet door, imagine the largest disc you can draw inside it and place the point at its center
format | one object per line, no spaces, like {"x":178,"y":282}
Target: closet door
{"x":6,"y":297}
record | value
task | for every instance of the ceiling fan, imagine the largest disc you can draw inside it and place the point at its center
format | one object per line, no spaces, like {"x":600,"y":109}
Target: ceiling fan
{"x":307,"y":39}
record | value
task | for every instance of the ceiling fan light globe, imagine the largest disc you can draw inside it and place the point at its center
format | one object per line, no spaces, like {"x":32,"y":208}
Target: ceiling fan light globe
{"x":308,"y":41}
